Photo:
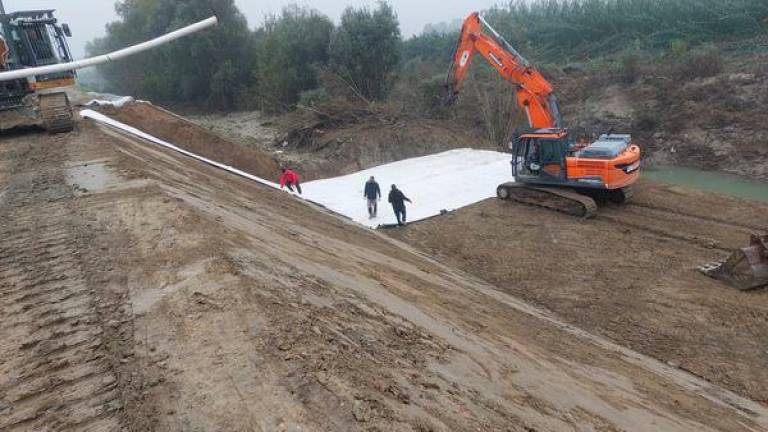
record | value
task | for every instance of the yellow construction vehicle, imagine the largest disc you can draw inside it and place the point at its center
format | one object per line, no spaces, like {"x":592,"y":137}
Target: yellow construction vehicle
{"x":36,"y":66}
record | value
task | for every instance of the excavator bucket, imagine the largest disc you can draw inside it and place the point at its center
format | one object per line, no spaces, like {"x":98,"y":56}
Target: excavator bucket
{"x":745,"y":269}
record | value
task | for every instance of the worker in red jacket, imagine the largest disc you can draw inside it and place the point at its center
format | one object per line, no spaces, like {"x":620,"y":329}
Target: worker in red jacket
{"x":290,"y":179}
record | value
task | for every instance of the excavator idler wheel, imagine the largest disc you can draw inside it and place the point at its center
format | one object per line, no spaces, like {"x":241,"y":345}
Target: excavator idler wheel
{"x":502,"y":192}
{"x":620,"y":196}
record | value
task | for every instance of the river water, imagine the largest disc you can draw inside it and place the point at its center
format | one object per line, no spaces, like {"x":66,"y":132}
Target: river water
{"x":710,"y":181}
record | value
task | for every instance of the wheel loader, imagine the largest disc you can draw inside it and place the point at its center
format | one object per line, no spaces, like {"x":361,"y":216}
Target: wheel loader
{"x":36,"y":67}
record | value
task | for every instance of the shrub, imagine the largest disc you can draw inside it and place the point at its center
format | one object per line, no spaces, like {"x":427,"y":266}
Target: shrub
{"x":629,"y":70}
{"x":289,"y":47}
{"x":365,"y":49}
{"x":314,"y":97}
{"x":702,"y":64}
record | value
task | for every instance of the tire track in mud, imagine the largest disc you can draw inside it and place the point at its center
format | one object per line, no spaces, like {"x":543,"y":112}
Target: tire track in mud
{"x":54,"y":372}
{"x":694,"y":217}
{"x":668,"y":223}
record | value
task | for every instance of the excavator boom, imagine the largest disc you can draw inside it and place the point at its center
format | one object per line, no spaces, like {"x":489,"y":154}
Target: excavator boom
{"x":534,"y":93}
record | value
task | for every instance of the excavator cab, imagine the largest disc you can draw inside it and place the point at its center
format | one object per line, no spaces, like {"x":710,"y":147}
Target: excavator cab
{"x":540,"y":158}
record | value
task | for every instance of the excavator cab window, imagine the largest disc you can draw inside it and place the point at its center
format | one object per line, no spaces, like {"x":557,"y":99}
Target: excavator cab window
{"x":539,"y":157}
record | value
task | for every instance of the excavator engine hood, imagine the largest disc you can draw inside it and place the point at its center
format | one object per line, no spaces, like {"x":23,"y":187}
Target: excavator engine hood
{"x":745,"y":269}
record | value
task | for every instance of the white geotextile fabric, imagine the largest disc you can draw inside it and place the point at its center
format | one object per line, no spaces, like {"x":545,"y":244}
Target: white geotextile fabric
{"x":109,"y":100}
{"x":436,"y":184}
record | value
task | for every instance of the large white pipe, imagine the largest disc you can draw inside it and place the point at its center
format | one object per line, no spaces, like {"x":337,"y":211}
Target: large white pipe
{"x":106,"y":58}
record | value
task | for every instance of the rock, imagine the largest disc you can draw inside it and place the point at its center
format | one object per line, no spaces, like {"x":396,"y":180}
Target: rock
{"x":108,"y":380}
{"x":359,"y":411}
{"x":742,"y":78}
{"x":674,"y":364}
{"x":284,"y":346}
{"x":316,"y":330}
{"x":401,"y":331}
{"x":4,"y":407}
{"x":114,"y":324}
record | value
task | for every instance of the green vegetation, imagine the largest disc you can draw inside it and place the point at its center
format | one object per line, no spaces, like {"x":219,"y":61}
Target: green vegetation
{"x":272,"y":68}
{"x":210,"y":69}
{"x":557,"y":30}
{"x":299,"y":57}
{"x":366,"y":49}
{"x":290,"y":47}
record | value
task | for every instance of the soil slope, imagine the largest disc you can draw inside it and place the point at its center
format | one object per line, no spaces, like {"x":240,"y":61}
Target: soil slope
{"x":143,"y":291}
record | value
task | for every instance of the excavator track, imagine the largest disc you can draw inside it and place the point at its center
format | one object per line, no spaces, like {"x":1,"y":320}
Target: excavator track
{"x":56,"y":113}
{"x":552,"y":198}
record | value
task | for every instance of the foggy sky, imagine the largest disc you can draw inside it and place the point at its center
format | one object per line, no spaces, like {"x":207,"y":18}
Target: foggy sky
{"x":88,"y":17}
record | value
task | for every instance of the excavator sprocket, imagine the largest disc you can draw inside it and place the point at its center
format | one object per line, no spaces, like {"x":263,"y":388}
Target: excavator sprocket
{"x":552,"y":198}
{"x":746,"y":269}
{"x":56,"y":113}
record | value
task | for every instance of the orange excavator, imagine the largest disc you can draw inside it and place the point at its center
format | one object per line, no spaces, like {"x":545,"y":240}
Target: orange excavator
{"x":551,"y":169}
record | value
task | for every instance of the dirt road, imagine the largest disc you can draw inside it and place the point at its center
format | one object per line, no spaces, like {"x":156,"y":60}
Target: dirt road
{"x":141,"y":290}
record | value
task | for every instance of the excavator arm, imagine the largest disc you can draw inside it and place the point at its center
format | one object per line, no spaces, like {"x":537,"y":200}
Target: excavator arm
{"x":534,"y":93}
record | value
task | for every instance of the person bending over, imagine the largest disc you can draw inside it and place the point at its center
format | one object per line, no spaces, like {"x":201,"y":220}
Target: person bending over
{"x":398,"y":199}
{"x":290,"y":179}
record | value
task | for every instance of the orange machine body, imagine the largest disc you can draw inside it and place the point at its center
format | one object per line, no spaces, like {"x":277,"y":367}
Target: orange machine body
{"x":547,"y":156}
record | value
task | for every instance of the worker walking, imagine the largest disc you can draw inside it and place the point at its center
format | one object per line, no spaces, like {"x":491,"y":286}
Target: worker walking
{"x":372,"y":194}
{"x":398,"y":199}
{"x":290,"y":179}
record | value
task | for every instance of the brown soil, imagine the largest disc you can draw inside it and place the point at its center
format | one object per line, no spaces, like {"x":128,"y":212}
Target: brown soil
{"x":629,"y":274}
{"x":714,"y":123}
{"x":172,"y":128}
{"x":353,"y":138}
{"x":143,"y":291}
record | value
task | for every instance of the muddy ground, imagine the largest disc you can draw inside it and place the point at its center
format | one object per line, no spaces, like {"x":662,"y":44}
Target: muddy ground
{"x":629,"y":274}
{"x":141,"y":290}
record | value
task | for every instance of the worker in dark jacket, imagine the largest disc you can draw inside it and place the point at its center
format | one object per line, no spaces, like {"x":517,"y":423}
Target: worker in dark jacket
{"x":372,"y":194}
{"x":398,"y":199}
{"x":290,"y":179}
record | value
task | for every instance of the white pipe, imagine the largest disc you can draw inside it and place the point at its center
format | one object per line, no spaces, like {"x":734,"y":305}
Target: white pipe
{"x":106,"y":58}
{"x":101,"y":118}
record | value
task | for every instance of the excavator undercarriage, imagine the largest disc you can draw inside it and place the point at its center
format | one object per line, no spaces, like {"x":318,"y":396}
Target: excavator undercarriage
{"x":56,"y":113}
{"x":746,"y":269}
{"x":557,"y":199}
